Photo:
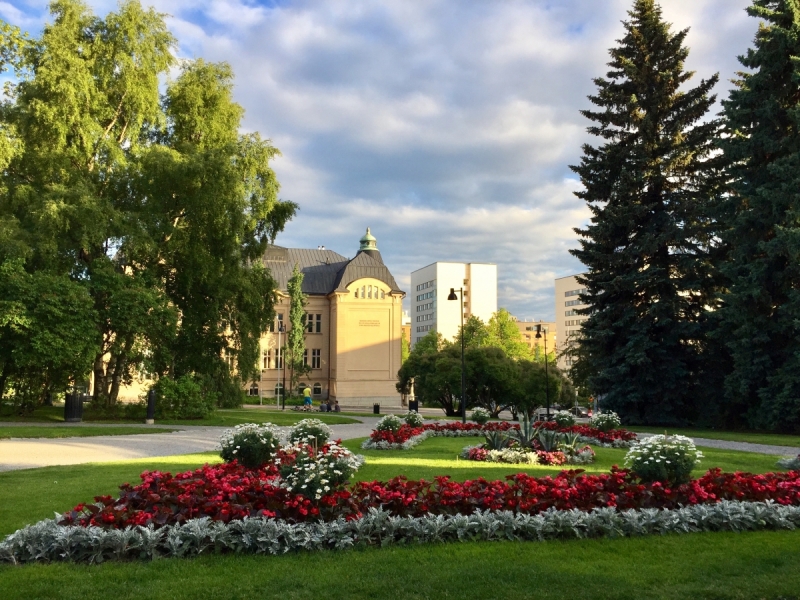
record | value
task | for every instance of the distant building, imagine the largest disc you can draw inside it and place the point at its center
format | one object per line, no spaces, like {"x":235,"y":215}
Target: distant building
{"x":568,"y":322}
{"x":406,"y":327}
{"x":430,"y":286}
{"x":353,"y":325}
{"x":527,"y":330}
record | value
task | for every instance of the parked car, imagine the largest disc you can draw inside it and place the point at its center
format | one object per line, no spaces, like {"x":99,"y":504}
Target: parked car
{"x":580,"y":412}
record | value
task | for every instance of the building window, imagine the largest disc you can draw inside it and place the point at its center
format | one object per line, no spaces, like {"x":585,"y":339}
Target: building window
{"x":575,"y":292}
{"x":572,"y":302}
{"x":279,"y":358}
{"x":278,"y":389}
{"x":570,"y":313}
{"x":313,"y":323}
{"x":383,"y":295}
{"x":317,"y":390}
{"x":276,"y":325}
{"x":316,"y":358}
{"x":305,"y":357}
{"x":254,"y":389}
{"x":267,"y":359}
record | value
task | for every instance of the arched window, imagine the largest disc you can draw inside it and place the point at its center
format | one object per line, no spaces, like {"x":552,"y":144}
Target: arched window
{"x":383,"y":295}
{"x":317,"y":389}
{"x":363,"y":291}
{"x":254,"y":389}
{"x":369,"y":292}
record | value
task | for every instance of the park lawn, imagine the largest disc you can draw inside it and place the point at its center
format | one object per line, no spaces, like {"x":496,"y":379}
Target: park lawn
{"x":752,"y":437}
{"x":222,"y":417}
{"x":718,"y":565}
{"x":43,"y":431}
{"x":708,"y":565}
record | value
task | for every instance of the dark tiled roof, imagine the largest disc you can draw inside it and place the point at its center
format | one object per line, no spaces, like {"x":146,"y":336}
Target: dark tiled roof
{"x":324,"y":270}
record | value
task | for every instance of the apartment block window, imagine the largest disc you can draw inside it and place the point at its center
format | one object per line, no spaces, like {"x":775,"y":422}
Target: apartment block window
{"x":316,"y":358}
{"x":267,"y":359}
{"x":570,"y":313}
{"x":313,"y":323}
{"x":575,"y":292}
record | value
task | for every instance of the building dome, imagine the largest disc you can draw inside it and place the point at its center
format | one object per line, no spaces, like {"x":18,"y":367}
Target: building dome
{"x":368,"y":242}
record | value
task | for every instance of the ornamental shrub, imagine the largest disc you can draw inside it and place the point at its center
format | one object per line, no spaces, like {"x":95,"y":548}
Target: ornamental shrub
{"x":665,"y":458}
{"x":606,"y":421}
{"x":251,"y":444}
{"x":312,"y":431}
{"x":790,"y":464}
{"x":480,"y":416}
{"x":389,"y":423}
{"x":316,"y":472}
{"x":414,"y":419}
{"x":564,"y":418}
{"x":183,"y":398}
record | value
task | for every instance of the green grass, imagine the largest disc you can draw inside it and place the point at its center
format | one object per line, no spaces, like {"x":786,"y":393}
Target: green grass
{"x":438,"y":456}
{"x":719,"y":565}
{"x":31,"y":495}
{"x":220,"y":418}
{"x":43,"y":431}
{"x":753,"y":437}
{"x":714,"y":565}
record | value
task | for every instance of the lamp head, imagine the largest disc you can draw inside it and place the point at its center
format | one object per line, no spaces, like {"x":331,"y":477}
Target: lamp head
{"x":538,"y":335}
{"x":452,"y":295}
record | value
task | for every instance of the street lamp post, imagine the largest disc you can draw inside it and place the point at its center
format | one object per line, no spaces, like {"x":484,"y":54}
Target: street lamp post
{"x":539,"y":329}
{"x":281,"y":329}
{"x":453,"y":296}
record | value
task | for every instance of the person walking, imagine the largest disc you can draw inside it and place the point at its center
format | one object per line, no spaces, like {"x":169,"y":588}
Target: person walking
{"x":307,"y":396}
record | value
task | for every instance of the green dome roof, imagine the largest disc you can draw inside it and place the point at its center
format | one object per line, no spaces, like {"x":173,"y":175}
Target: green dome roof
{"x":368,"y":242}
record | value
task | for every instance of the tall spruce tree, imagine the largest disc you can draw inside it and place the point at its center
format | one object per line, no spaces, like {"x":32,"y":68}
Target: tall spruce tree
{"x":760,"y":316}
{"x":649,"y":185}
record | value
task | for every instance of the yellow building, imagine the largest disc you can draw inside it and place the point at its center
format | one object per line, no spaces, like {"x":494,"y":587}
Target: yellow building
{"x":353,"y":326}
{"x":527,"y":330}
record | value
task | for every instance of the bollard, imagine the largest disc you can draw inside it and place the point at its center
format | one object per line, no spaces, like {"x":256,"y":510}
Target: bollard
{"x":376,"y":409}
{"x":151,"y":408}
{"x":413,"y":405}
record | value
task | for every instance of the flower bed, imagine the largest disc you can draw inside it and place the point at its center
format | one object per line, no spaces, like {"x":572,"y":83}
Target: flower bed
{"x":48,"y":541}
{"x":516,"y":456}
{"x":406,"y":436}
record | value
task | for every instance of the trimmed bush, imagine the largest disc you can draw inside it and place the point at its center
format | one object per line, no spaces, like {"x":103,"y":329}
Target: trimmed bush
{"x":312,"y":431}
{"x":564,"y":418}
{"x":389,"y":423}
{"x":183,"y":398}
{"x":250,"y":444}
{"x":480,"y":416}
{"x":315,"y":473}
{"x":414,"y":419}
{"x":664,"y":458}
{"x":606,"y":421}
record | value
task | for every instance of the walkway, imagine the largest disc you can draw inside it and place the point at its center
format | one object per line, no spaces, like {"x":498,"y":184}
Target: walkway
{"x":39,"y":452}
{"x":31,"y":453}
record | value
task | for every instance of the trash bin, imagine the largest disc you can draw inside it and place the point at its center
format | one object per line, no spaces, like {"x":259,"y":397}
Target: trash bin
{"x":413,"y":405}
{"x":376,"y":409}
{"x":73,"y":408}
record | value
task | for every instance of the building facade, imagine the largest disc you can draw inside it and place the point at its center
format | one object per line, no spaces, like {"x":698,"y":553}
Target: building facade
{"x":568,"y":322}
{"x":527,"y":330}
{"x":430,"y":286}
{"x":353,"y":326}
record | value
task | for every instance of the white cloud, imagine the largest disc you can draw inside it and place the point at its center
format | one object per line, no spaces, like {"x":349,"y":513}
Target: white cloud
{"x":447,"y":127}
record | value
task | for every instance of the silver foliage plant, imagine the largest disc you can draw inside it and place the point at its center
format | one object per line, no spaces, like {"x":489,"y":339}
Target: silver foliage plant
{"x":48,"y":541}
{"x":791,"y":463}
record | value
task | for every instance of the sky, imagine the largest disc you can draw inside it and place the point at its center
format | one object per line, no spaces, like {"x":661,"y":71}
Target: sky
{"x":447,"y":127}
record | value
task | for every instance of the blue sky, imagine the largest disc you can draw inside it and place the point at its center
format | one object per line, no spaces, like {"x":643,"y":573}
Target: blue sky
{"x":448,"y":127}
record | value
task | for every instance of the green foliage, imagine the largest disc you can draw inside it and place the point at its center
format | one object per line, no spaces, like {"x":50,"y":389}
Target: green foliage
{"x":759,"y":316}
{"x":47,"y":334}
{"x":536,"y":385}
{"x":183,"y":398}
{"x":651,"y":184}
{"x":295,"y":338}
{"x":480,"y":416}
{"x":147,"y":196}
{"x":503,"y":333}
{"x":497,"y":440}
{"x":414,"y":419}
{"x":564,"y":418}
{"x":405,"y":349}
{"x":250,"y":444}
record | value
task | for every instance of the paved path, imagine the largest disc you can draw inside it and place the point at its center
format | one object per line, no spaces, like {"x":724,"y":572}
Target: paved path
{"x":31,"y":453}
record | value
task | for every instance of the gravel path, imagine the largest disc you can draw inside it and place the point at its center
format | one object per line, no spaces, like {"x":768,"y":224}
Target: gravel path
{"x":40,"y":452}
{"x":32,"y":453}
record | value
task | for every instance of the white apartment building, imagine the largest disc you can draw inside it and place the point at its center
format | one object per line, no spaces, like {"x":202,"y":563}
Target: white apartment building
{"x":430,"y":286}
{"x":568,"y":322}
